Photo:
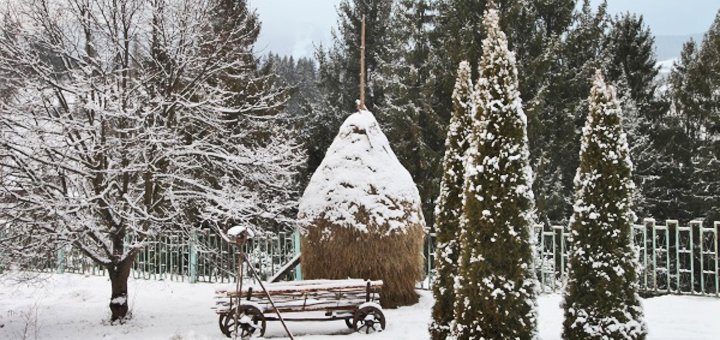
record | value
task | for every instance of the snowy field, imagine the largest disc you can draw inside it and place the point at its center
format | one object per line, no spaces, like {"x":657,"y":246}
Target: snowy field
{"x":75,"y":307}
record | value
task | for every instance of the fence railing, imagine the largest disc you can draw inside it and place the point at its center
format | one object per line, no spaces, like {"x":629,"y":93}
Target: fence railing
{"x":674,"y":259}
{"x":204,"y":257}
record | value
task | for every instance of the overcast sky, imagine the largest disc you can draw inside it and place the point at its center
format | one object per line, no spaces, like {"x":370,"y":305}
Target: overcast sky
{"x":292,"y":26}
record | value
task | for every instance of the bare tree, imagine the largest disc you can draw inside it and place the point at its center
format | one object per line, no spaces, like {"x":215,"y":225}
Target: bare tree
{"x":133,"y":117}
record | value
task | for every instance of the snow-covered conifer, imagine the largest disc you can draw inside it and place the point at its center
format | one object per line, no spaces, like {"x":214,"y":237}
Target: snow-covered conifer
{"x":601,"y":300}
{"x":449,"y":206}
{"x":495,"y":286}
{"x":405,"y":110}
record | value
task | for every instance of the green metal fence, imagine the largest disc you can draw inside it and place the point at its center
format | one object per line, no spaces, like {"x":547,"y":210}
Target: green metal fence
{"x":204,"y":257}
{"x":674,"y":258}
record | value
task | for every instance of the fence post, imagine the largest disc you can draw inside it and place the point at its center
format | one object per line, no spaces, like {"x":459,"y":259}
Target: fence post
{"x":60,"y":261}
{"x":296,"y":246}
{"x":701,"y":246}
{"x":430,"y":259}
{"x":193,"y":257}
{"x":715,"y":240}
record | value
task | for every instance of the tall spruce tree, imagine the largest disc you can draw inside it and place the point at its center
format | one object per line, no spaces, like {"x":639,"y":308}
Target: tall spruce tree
{"x":450,"y":206}
{"x":405,"y":112}
{"x":706,"y":74}
{"x":530,"y":26}
{"x":556,"y":112}
{"x":634,"y":70}
{"x":496,"y":288}
{"x":676,"y":142}
{"x":601,"y":300}
{"x":632,"y":51}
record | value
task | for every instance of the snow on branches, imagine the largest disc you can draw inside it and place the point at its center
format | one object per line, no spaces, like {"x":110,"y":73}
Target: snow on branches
{"x":601,"y":300}
{"x":449,"y":208}
{"x":133,"y":117}
{"x":495,"y":286}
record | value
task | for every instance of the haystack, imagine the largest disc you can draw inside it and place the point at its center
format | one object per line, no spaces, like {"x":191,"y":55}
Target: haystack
{"x":361,"y":215}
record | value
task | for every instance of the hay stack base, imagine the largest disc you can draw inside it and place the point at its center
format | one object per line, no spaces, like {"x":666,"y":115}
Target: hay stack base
{"x":395,"y":258}
{"x":361,"y":215}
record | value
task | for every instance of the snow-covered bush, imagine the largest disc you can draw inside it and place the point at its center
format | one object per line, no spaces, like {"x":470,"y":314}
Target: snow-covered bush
{"x":450,"y":205}
{"x":601,"y":298}
{"x":496,"y":286}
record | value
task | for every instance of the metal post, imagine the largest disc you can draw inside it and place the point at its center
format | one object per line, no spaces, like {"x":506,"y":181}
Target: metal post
{"x":430,"y":259}
{"x":667,"y":256}
{"x":674,"y":224}
{"x":542,"y":257}
{"x":562,"y":253}
{"x":701,"y":233}
{"x":60,"y":261}
{"x":715,"y":238}
{"x":556,"y":252}
{"x":193,"y":258}
{"x":296,"y":246}
{"x":677,"y":257}
{"x":651,"y":223}
{"x":692,"y":261}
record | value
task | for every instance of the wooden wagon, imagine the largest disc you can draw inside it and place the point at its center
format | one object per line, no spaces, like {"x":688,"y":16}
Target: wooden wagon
{"x":354,"y":301}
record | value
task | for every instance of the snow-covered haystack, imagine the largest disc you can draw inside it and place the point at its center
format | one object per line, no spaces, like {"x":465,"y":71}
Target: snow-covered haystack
{"x":361,"y":214}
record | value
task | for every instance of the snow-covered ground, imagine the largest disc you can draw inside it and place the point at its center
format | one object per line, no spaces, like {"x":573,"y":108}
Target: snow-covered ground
{"x":75,"y":307}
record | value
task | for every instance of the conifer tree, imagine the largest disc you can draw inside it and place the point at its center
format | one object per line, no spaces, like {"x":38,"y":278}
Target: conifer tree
{"x":495,"y":288}
{"x":706,"y":76}
{"x":405,"y":113}
{"x":557,"y":112}
{"x":632,"y":49}
{"x":634,"y":70}
{"x":601,"y":300}
{"x":450,"y":205}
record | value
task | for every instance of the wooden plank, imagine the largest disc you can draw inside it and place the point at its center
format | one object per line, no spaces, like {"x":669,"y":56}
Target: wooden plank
{"x":316,"y":308}
{"x":314,"y":285}
{"x":286,"y":269}
{"x":273,"y":293}
{"x":301,"y":294}
{"x":302,"y":304}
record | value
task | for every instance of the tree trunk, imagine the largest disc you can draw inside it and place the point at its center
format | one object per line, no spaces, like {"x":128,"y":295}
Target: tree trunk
{"x":119,"y":274}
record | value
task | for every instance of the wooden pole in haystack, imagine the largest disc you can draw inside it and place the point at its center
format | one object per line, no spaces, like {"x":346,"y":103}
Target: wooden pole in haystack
{"x":362,"y":66}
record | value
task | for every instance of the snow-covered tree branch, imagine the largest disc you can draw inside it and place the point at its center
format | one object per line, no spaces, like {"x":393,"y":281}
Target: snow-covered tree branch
{"x":130,"y":118}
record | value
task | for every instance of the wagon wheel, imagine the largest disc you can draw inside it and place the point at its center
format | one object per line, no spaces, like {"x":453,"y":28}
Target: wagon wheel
{"x":349,"y":323}
{"x":221,"y":323}
{"x":251,"y":322}
{"x":369,"y":319}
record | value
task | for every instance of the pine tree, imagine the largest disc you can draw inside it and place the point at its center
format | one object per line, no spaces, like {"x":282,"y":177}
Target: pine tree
{"x":495,"y":288}
{"x":556,"y":112}
{"x":706,"y":79}
{"x":669,"y":194}
{"x":450,"y":206}
{"x":405,"y":112}
{"x":530,"y":26}
{"x":632,"y":48}
{"x":634,"y":71}
{"x":601,"y":300}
